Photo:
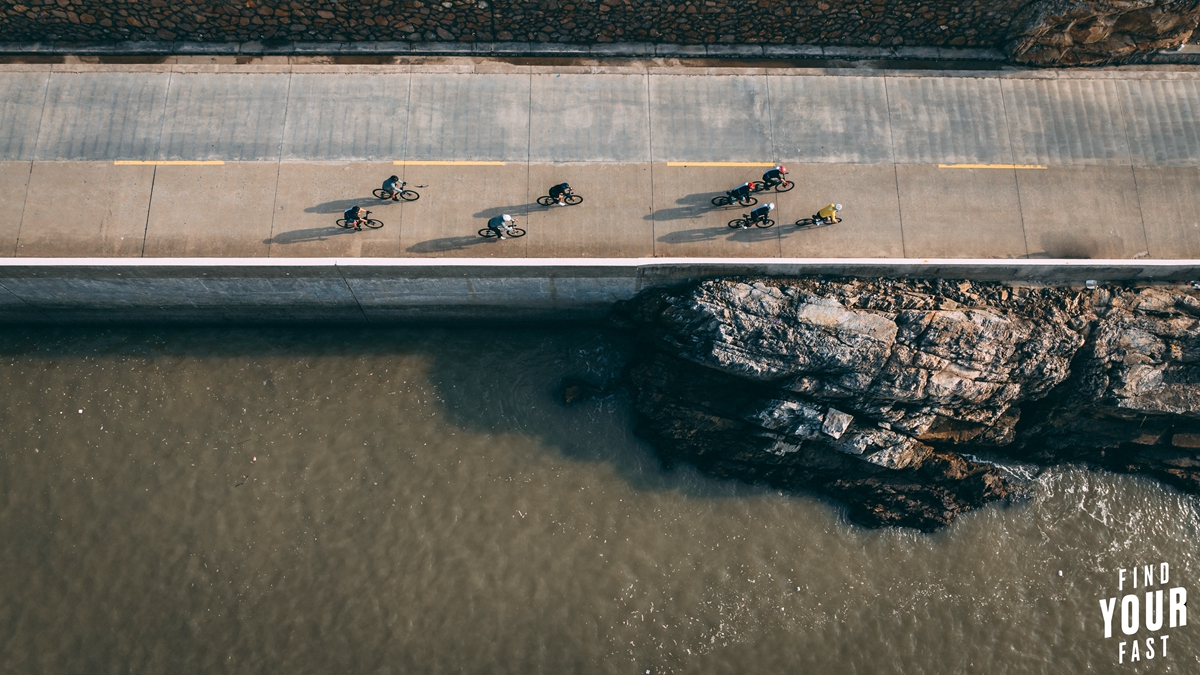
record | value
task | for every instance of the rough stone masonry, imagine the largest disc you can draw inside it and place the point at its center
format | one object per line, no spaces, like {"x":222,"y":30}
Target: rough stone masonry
{"x":1040,"y":32}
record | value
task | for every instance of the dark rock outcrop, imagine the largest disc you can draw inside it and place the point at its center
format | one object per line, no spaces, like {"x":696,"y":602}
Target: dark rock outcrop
{"x":878,"y":393}
{"x":1095,"y":32}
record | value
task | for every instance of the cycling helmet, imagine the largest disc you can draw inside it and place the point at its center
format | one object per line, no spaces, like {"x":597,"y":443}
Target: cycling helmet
{"x":771,"y":206}
{"x":356,"y":208}
{"x":837,"y":207}
{"x":782,"y":168}
{"x":394,"y":178}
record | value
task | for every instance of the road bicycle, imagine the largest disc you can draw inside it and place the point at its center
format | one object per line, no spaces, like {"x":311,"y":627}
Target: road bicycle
{"x":570,"y":199}
{"x":406,"y":195}
{"x":810,"y":224}
{"x":489,"y":233}
{"x":369,"y":222}
{"x":747,"y":221}
{"x":728,"y":198}
{"x":782,"y":186}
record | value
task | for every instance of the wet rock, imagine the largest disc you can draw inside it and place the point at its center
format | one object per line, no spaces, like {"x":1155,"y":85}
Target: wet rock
{"x":877,"y":392}
{"x":1093,"y":32}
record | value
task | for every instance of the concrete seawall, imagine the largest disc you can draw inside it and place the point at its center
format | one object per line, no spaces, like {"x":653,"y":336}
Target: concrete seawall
{"x":376,"y":291}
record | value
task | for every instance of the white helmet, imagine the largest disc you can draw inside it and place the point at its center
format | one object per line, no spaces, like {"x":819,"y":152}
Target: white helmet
{"x":771,"y":206}
{"x":507,"y":218}
{"x":837,"y":207}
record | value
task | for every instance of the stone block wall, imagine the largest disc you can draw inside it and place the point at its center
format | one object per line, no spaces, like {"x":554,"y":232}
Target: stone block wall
{"x":950,"y":23}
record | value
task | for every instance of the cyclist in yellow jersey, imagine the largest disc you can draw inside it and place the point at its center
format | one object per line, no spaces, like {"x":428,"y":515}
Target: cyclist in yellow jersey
{"x":828,"y":214}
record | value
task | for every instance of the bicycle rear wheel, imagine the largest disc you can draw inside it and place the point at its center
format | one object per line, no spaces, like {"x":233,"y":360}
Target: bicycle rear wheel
{"x":373,"y":224}
{"x":409,"y":195}
{"x":737,"y":223}
{"x":785,"y":186}
{"x":341,"y":222}
{"x":545,"y":200}
{"x":487,"y":233}
{"x":765,"y":223}
{"x":380,"y":193}
{"x":721,"y":201}
{"x":572,"y":200}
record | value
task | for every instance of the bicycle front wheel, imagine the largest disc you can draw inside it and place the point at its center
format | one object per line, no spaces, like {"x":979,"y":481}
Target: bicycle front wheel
{"x":409,"y":195}
{"x":785,"y":186}
{"x":572,"y":200}
{"x":516,"y":232}
{"x":737,"y":223}
{"x":373,"y":224}
{"x":765,"y":223}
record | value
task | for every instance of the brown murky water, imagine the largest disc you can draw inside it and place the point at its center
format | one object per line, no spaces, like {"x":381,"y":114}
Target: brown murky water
{"x":290,"y":501}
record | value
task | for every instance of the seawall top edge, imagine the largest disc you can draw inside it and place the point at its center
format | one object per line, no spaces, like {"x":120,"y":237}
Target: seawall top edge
{"x":919,"y":263}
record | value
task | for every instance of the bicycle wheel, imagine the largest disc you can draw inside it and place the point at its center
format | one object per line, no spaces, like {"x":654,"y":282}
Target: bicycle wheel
{"x":516,"y":232}
{"x":380,"y":193}
{"x":409,"y":195}
{"x":341,"y":222}
{"x":785,"y":186}
{"x":546,"y":200}
{"x":723,"y":200}
{"x":487,"y":233}
{"x":765,"y":223}
{"x":750,"y":201}
{"x":737,"y":223}
{"x":572,"y":200}
{"x":373,"y":224}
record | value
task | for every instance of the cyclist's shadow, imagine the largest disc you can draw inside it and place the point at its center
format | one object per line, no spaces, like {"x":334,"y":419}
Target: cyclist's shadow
{"x":513,"y":210}
{"x":446,"y":244}
{"x":691,"y":207}
{"x":340,"y":205}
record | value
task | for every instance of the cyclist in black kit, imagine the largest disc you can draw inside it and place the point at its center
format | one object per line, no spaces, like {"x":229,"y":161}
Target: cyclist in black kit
{"x":354,"y":218}
{"x":774,"y":176}
{"x":559,"y":193}
{"x":759,"y":215}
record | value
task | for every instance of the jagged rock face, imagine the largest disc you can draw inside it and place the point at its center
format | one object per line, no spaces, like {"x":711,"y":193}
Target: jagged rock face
{"x":1093,"y":32}
{"x":873,"y":391}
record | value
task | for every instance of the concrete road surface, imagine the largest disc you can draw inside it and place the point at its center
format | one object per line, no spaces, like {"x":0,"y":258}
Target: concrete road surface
{"x":248,"y":161}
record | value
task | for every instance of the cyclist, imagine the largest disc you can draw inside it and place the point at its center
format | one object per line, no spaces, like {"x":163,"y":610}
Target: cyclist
{"x":828,"y":214}
{"x":774,"y":176}
{"x":354,"y":217}
{"x":559,"y":193}
{"x":741,"y":193}
{"x":392,"y":187}
{"x":759,"y":215}
{"x":500,"y":225}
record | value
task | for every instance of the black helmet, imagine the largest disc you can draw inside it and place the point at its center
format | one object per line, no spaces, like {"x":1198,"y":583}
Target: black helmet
{"x":394,"y":178}
{"x":355,"y":208}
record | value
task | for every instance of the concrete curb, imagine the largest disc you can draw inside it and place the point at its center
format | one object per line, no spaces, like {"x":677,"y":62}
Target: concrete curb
{"x":390,"y":290}
{"x":535,"y":49}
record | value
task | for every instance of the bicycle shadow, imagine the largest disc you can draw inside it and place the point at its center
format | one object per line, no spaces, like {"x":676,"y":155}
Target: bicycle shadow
{"x":513,"y":210}
{"x":691,"y":236}
{"x":691,"y":207}
{"x":754,"y":234}
{"x":445,"y":244}
{"x":311,"y":234}
{"x":340,"y":205}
